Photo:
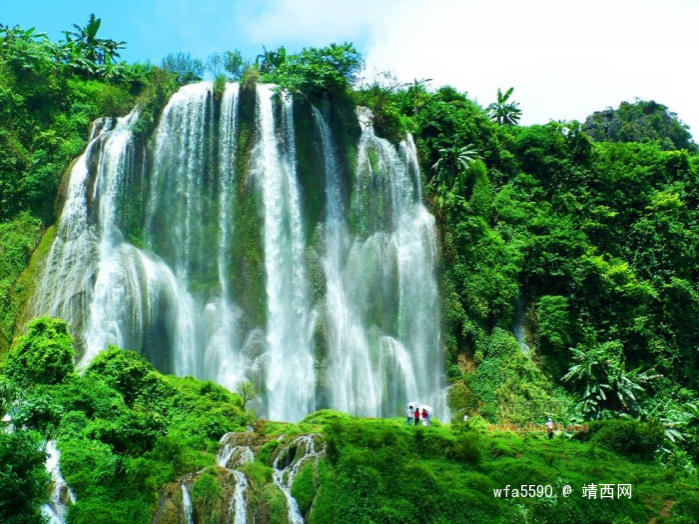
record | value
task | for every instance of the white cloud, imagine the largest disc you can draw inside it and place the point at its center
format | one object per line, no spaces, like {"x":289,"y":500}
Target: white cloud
{"x":564,"y":58}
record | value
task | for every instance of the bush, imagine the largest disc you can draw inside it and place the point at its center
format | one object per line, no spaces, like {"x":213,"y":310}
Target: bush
{"x":638,"y":440}
{"x":207,"y":498}
{"x":23,"y":478}
{"x":44,"y":355}
{"x":126,"y":371}
{"x":467,"y":449}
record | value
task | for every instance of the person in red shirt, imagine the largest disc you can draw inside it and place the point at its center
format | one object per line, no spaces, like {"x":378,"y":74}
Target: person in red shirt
{"x":417,"y":416}
{"x":425,"y":418}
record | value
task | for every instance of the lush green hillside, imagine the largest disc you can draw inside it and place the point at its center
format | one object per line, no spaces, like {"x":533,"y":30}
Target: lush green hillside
{"x":586,"y":245}
{"x":130,"y":436}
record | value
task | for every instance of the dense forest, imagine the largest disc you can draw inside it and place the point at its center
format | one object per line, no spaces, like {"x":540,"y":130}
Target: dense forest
{"x":569,"y":256}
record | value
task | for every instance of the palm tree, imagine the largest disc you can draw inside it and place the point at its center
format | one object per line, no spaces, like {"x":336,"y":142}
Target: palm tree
{"x":505,"y":112}
{"x":452,"y":160}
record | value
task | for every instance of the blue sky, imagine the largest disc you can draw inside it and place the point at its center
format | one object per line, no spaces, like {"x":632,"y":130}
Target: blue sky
{"x":565,"y":59}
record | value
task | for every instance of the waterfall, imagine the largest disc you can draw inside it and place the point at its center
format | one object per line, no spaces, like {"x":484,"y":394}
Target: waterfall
{"x":222,"y":248}
{"x":518,"y":329}
{"x":187,"y":504}
{"x":231,"y":456}
{"x":57,"y":507}
{"x":66,"y":286}
{"x":287,"y":465}
{"x":238,"y":506}
{"x":224,"y":362}
{"x":382,"y":304}
{"x":290,"y":377}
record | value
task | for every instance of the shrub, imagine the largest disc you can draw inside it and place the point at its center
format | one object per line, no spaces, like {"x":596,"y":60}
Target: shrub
{"x":633,"y":439}
{"x":44,"y":355}
{"x":467,"y":449}
{"x":207,"y":498}
{"x":23,"y":478}
{"x":126,"y":371}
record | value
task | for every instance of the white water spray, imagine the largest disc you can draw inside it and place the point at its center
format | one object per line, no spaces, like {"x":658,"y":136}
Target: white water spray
{"x":286,"y":467}
{"x":61,"y":494}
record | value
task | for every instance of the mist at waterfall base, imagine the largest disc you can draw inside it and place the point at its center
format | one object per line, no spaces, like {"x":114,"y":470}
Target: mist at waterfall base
{"x":198,"y":248}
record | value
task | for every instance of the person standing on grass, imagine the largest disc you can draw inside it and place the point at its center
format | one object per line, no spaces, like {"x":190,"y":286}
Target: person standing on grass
{"x":417,"y":416}
{"x":425,"y":417}
{"x":409,"y":416}
{"x":549,"y":426}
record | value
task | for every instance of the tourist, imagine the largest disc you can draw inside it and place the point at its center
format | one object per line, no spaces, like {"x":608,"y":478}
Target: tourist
{"x":417,"y":416}
{"x":409,"y":415}
{"x":549,"y":425}
{"x":425,"y":417}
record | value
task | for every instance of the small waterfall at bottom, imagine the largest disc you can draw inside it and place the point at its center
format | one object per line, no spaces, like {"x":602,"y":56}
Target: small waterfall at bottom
{"x":295,"y":455}
{"x":187,"y":504}
{"x":57,"y":507}
{"x":238,"y":506}
{"x":232,"y":455}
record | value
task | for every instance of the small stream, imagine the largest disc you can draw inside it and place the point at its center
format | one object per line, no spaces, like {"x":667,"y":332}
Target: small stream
{"x":61,"y":494}
{"x":287,"y":465}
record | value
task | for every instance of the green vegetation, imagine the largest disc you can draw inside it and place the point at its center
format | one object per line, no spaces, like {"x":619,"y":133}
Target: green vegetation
{"x":315,"y":72}
{"x":584,"y":237}
{"x":23,"y":478}
{"x":504,"y":111}
{"x":384,"y":471}
{"x":590,"y":247}
{"x":641,"y":121}
{"x":129,"y":437}
{"x":124,"y":429}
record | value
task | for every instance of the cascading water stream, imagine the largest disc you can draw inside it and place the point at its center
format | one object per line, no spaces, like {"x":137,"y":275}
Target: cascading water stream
{"x":231,"y":456}
{"x":66,"y":286}
{"x":304,"y":449}
{"x":518,"y":329}
{"x":382,"y":302}
{"x":290,"y":376}
{"x":187,"y":505}
{"x":57,"y":507}
{"x":224,"y":361}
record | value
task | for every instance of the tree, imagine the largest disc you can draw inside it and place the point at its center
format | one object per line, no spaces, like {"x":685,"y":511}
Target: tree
{"x":84,"y":44}
{"x":504,"y":111}
{"x":247,"y":390}
{"x":270,"y":61}
{"x":641,"y":121}
{"x":214,"y":64}
{"x":230,"y":63}
{"x":8,"y":397}
{"x":234,"y":64}
{"x":23,"y":477}
{"x":185,"y":68}
{"x":44,"y":355}
{"x":315,"y":72}
{"x":417,"y":91}
{"x":602,"y":370}
{"x":452,"y":160}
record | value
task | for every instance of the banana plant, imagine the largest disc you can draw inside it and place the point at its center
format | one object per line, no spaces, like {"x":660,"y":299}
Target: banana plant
{"x":505,"y":111}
